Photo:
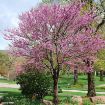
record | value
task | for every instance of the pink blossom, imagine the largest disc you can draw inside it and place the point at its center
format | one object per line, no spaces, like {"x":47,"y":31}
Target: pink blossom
{"x":55,"y":30}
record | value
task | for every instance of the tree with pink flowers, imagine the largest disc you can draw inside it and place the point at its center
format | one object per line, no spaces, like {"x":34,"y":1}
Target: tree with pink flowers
{"x":84,"y":49}
{"x":49,"y":36}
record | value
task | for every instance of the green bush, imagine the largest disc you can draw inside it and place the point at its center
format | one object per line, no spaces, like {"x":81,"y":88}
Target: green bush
{"x":34,"y":85}
{"x":22,"y":101}
{"x":67,"y":100}
{"x":86,"y":101}
{"x":27,"y":102}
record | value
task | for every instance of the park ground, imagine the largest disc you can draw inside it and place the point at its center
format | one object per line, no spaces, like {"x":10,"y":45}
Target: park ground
{"x":9,"y":90}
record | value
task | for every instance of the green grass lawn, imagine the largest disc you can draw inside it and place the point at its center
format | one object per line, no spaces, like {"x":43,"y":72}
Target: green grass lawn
{"x":14,"y":94}
{"x":65,"y":82}
{"x":4,"y":80}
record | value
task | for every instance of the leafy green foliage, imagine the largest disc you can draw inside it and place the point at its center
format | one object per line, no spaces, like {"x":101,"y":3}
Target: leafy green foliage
{"x":34,"y":85}
{"x":86,"y":101}
{"x":5,"y":63}
{"x":27,"y":102}
{"x":60,"y":1}
{"x":19,"y":100}
{"x":100,"y":63}
{"x":101,"y":88}
{"x":101,"y":54}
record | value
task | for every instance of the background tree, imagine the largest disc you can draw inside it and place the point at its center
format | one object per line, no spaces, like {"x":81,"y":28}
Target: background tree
{"x":88,"y":54}
{"x":56,"y":1}
{"x":5,"y":63}
{"x":100,"y":66}
{"x":101,"y":14}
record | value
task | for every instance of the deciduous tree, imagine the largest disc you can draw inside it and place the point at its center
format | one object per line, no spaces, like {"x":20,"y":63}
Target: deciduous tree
{"x":51,"y":35}
{"x":5,"y":63}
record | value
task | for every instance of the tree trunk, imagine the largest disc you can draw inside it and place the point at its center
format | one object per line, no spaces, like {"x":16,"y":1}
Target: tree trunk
{"x":55,"y":100}
{"x":101,"y":75}
{"x":91,"y":85}
{"x":97,"y":73}
{"x":75,"y":75}
{"x":104,"y":73}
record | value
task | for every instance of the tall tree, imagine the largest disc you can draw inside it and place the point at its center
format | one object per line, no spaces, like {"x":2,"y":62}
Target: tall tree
{"x":51,"y":35}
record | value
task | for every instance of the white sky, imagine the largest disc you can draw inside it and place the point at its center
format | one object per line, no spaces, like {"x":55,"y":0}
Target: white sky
{"x":9,"y":11}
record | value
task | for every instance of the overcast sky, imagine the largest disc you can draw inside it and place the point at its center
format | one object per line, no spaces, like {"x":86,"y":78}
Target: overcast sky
{"x":9,"y":11}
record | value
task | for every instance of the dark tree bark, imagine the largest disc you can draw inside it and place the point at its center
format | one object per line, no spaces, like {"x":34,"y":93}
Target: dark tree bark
{"x":55,"y":89}
{"x":97,"y":74}
{"x":91,"y":85}
{"x":55,"y":74}
{"x":101,"y":75}
{"x":75,"y":74}
{"x":104,"y":73}
{"x":90,"y":75}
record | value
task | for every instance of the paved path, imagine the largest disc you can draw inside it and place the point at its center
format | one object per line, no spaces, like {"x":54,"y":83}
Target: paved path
{"x":81,"y":91}
{"x":85,"y":91}
{"x":7,"y":85}
{"x":101,"y":85}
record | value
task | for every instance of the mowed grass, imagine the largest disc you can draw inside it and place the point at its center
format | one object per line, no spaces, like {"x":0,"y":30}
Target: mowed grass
{"x":67,"y":82}
{"x":9,"y":94}
{"x":4,"y":80}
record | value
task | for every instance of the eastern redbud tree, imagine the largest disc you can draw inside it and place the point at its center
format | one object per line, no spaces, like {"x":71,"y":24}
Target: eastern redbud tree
{"x":50,"y":35}
{"x":84,"y":49}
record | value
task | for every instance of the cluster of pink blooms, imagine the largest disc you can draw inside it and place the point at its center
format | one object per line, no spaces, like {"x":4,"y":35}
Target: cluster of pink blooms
{"x":67,"y":26}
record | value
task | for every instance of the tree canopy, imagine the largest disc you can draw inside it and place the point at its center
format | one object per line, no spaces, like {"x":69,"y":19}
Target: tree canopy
{"x":5,"y":63}
{"x":50,"y":35}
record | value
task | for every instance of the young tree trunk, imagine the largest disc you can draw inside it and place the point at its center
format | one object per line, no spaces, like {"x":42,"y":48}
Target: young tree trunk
{"x":91,"y":85}
{"x":75,"y":75}
{"x":55,"y":100}
{"x":101,"y":75}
